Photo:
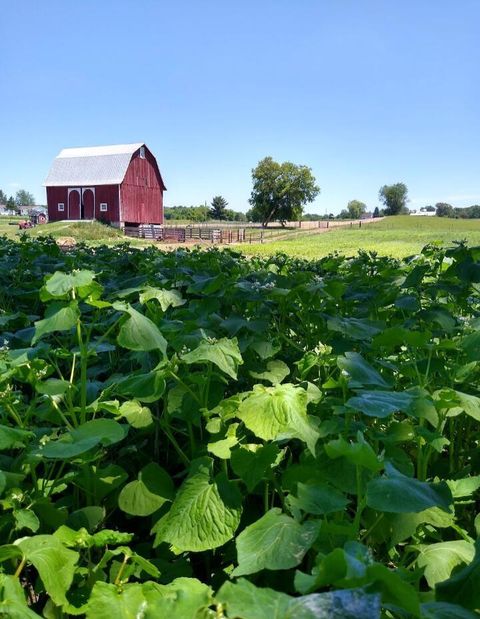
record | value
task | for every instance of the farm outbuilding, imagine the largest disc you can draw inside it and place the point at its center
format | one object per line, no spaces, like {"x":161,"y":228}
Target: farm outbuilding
{"x":119,"y":184}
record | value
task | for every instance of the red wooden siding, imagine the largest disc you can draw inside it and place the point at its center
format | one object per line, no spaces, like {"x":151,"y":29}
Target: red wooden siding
{"x":141,"y":193}
{"x":107,"y":194}
{"x":54,"y":196}
{"x":91,"y":207}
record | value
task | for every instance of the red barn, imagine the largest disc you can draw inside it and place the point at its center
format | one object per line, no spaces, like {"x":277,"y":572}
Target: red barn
{"x":119,"y":184}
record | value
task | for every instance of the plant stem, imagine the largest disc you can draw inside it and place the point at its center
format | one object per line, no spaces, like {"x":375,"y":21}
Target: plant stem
{"x":20,"y":567}
{"x":83,"y":372}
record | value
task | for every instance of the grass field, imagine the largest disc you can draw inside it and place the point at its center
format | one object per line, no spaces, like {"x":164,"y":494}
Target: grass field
{"x":395,"y":236}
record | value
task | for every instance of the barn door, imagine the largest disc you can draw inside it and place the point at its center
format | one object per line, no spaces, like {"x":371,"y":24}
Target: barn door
{"x":88,"y":204}
{"x":74,"y":204}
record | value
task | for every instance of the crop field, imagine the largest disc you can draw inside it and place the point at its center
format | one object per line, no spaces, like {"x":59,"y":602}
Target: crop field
{"x":200,"y":435}
{"x":393,"y":236}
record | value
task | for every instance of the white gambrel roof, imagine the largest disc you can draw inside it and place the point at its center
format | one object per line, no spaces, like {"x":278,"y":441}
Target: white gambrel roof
{"x":94,"y":165}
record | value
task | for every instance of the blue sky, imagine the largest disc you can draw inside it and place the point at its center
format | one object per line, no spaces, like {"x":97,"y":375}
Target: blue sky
{"x":366,"y":93}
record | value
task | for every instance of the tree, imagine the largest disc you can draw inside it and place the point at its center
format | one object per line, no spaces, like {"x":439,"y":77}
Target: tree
{"x":394,"y":197}
{"x":444,"y":210}
{"x":356,"y":209}
{"x":3,"y":197}
{"x":219,"y":205}
{"x":24,"y":198}
{"x":376,"y":212}
{"x":280,"y":191}
{"x":11,"y":205}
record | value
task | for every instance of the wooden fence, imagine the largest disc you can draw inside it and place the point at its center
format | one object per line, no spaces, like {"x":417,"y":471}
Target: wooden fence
{"x":195,"y":234}
{"x":229,"y":234}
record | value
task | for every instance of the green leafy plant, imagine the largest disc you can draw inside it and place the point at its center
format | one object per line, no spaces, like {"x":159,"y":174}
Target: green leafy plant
{"x":194,"y":434}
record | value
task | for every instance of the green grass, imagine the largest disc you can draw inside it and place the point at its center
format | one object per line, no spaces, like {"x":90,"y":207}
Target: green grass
{"x":93,"y":232}
{"x":394,"y":236}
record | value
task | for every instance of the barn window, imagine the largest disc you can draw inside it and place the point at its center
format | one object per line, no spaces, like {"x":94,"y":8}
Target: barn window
{"x":103,"y":206}
{"x":142,"y":152}
{"x":61,"y":206}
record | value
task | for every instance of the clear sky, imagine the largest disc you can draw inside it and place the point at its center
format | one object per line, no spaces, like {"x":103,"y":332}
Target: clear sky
{"x":365,"y":92}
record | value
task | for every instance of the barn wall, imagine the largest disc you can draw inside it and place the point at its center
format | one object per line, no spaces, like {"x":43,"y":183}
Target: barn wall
{"x":54,"y":196}
{"x":103,"y":193}
{"x":141,"y":192}
{"x":108,"y":194}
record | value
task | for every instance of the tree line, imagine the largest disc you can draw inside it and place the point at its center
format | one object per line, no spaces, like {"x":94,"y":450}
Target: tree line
{"x":447,"y":210}
{"x":217,"y":211}
{"x":22,"y":198}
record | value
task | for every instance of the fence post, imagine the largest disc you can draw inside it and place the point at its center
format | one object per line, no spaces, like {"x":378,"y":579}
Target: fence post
{"x":261,"y":236}
{"x":328,"y":223}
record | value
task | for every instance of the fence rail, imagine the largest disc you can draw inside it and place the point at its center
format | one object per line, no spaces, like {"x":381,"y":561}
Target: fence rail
{"x":225,"y":234}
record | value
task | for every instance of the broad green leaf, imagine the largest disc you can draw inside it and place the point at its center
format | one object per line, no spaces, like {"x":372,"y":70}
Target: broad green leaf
{"x":254,"y":462}
{"x":274,"y":542}
{"x":356,"y":328}
{"x":464,"y":487}
{"x":57,"y":318}
{"x":444,"y":610}
{"x":243,"y":599}
{"x":148,"y":493}
{"x":139,"y":332}
{"x":318,"y":499}
{"x":393,"y":588}
{"x":138,"y":416}
{"x":399,"y":494}
{"x":359,"y":453}
{"x":183,"y":598}
{"x":52,"y":386}
{"x":403,"y":526}
{"x":470,"y":404}
{"x":278,"y":413}
{"x":223,"y":353}
{"x":381,"y":403}
{"x":59,"y":284}
{"x":26,"y":519}
{"x":265,"y":349}
{"x":462,"y":588}
{"x":344,"y":567}
{"x":81,"y":538}
{"x":14,"y":438}
{"x":146,"y":388}
{"x":107,"y":601}
{"x":393,"y":337}
{"x":13,"y":604}
{"x":276,"y":371}
{"x":166,"y":298}
{"x":55,"y":564}
{"x":205,"y":513}
{"x":470,"y":344}
{"x":85,"y":437}
{"x":10,"y":551}
{"x":359,"y":371}
{"x":89,"y":517}
{"x":222,"y":448}
{"x":440,"y":559}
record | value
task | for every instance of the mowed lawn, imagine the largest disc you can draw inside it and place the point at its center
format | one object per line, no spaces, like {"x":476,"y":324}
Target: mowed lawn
{"x":394,"y":236}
